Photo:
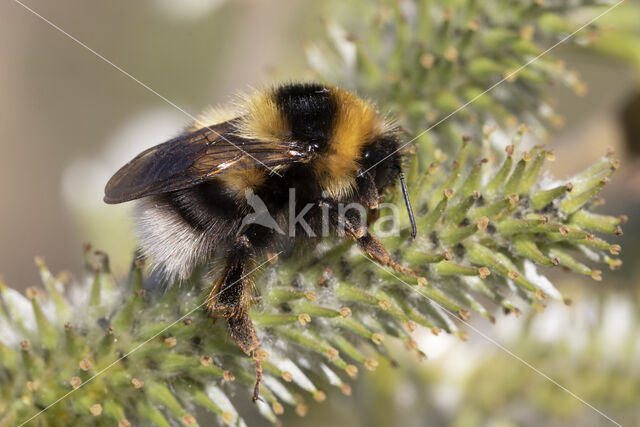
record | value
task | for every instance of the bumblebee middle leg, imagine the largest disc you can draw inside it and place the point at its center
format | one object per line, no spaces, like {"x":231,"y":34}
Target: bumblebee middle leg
{"x":228,"y":295}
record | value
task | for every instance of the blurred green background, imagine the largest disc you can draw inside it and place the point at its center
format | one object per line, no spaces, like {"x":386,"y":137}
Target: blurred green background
{"x":69,"y":120}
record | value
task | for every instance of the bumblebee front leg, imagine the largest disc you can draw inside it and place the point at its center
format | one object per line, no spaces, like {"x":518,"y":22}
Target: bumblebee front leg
{"x":229,"y":298}
{"x":355,"y":229}
{"x":368,"y":195}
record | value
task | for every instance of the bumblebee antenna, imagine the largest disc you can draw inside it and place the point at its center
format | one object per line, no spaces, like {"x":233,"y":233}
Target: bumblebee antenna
{"x":407,"y":202}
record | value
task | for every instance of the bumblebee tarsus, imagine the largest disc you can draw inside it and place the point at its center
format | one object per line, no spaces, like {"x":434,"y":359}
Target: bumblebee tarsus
{"x":376,"y":251}
{"x":258,"y":368}
{"x":244,"y":334}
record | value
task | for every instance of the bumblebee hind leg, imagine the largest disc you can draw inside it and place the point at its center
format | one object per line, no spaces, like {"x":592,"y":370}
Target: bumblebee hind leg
{"x":229,"y":298}
{"x":243,"y":333}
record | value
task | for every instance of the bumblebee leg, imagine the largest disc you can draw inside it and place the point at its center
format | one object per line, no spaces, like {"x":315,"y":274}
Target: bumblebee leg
{"x":229,"y":299}
{"x":367,"y":190}
{"x":370,"y":245}
{"x":367,"y":241}
{"x":243,"y":333}
{"x":228,"y":296}
{"x":372,"y":216}
{"x":368,"y":195}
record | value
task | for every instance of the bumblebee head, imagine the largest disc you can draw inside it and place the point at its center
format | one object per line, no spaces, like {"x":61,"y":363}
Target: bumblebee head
{"x":381,"y":159}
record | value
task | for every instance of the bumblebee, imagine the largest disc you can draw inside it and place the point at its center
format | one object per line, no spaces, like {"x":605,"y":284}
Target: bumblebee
{"x":304,"y":147}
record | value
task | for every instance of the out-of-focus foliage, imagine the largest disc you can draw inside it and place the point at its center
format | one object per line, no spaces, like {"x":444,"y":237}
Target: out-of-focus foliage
{"x":595,"y":354}
{"x":598,"y":361}
{"x":621,"y":36}
{"x":422,"y":60}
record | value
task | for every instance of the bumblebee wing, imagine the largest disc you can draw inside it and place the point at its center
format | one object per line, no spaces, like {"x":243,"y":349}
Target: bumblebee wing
{"x":195,"y":157}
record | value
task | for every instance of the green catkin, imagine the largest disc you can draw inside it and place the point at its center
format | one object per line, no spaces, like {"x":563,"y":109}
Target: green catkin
{"x":324,"y":318}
